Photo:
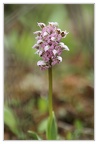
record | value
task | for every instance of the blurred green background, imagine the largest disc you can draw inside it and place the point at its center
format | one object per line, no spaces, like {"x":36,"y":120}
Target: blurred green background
{"x":26,"y":87}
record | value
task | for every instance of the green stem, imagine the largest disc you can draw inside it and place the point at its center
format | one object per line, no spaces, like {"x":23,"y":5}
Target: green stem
{"x":50,"y":90}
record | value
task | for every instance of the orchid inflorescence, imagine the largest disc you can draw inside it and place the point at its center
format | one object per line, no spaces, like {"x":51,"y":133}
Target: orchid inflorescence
{"x":49,"y":46}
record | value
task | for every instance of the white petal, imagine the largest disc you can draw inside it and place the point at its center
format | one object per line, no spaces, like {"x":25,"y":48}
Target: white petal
{"x":53,"y":38}
{"x":46,"y":48}
{"x":59,"y":31}
{"x":53,"y":23}
{"x":45,"y":34}
{"x":59,"y":58}
{"x":41,"y":25}
{"x":40,"y":53}
{"x":54,"y":52}
{"x":39,"y":41}
{"x":37,"y":52}
{"x":36,"y":46}
{"x":66,"y":47}
{"x":40,"y":63}
{"x":61,"y":43}
{"x":37,"y":32}
{"x":37,"y":37}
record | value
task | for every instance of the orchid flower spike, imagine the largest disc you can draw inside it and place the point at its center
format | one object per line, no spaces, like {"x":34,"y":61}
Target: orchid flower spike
{"x":49,"y":46}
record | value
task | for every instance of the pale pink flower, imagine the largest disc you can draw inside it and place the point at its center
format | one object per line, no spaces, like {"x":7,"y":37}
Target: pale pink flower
{"x":49,"y":46}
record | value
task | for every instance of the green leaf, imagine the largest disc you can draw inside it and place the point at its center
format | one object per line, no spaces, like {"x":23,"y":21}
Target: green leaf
{"x":42,"y":126}
{"x":51,"y":132}
{"x":34,"y":135}
{"x":10,"y":120}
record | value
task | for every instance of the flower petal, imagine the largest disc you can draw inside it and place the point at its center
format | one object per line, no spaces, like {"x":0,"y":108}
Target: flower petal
{"x":58,"y":31}
{"x":37,"y":37}
{"x":65,"y":47}
{"x":46,"y":48}
{"x":64,"y":33}
{"x":53,"y":38}
{"x":37,"y":52}
{"x":53,"y":23}
{"x":54,"y":52}
{"x":41,"y":25}
{"x":40,"y":53}
{"x":41,"y":63}
{"x":45,"y":34}
{"x":39,"y":41}
{"x":61,"y":44}
{"x":36,"y":46}
{"x":59,"y":58}
{"x":37,"y":32}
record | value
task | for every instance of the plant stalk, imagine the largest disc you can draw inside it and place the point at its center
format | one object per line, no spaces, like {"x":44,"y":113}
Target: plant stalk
{"x":50,"y":91}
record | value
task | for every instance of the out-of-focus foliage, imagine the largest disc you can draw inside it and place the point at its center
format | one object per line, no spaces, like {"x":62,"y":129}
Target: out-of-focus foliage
{"x":10,"y":120}
{"x":34,"y":135}
{"x":26,"y":87}
{"x":42,"y":105}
